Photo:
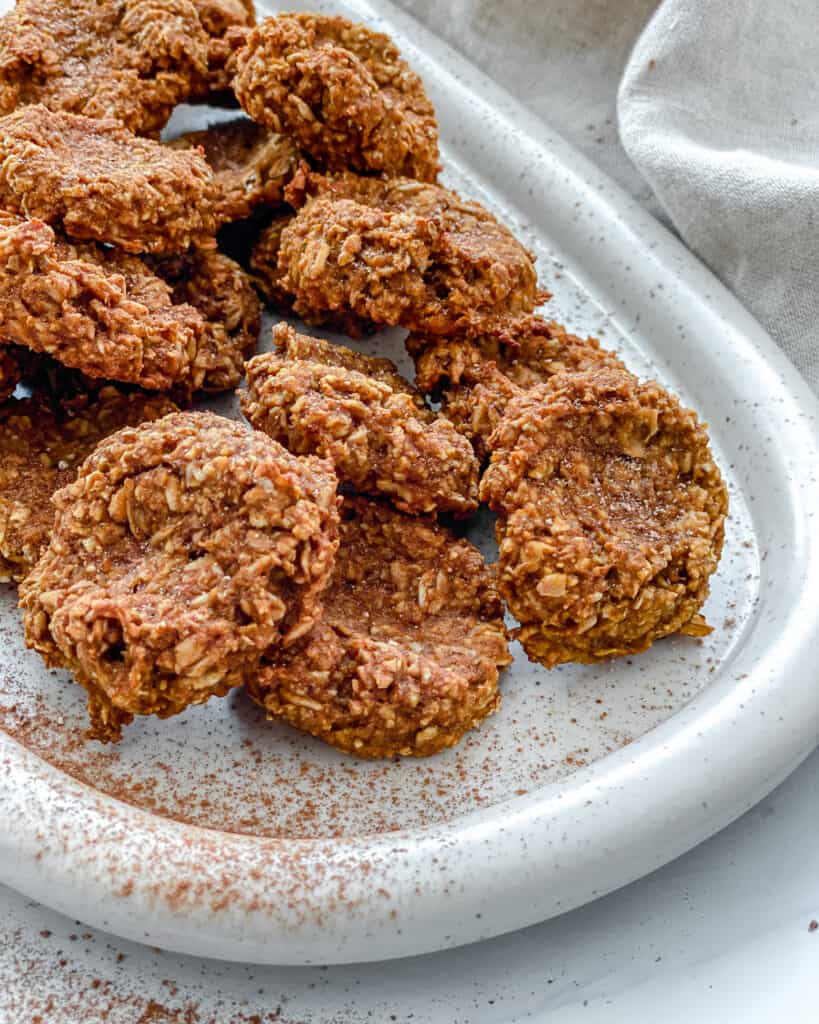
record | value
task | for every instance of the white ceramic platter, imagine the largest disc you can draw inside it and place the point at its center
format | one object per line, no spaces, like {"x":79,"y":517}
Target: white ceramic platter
{"x":218,"y":834}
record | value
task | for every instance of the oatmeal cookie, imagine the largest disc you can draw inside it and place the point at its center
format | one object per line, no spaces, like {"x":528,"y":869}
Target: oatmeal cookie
{"x":477,"y":373}
{"x":400,"y":252}
{"x":250,"y":165}
{"x":341,"y":91}
{"x":292,"y":345}
{"x":379,"y":439}
{"x":42,"y":444}
{"x":132,"y":60}
{"x":264,"y":262}
{"x":405,"y":658}
{"x":93,"y":309}
{"x":611,"y":515}
{"x":224,"y":295}
{"x":183,"y":550}
{"x":97,"y":181}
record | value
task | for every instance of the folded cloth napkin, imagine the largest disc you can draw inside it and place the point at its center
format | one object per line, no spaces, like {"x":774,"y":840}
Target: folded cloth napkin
{"x":719,"y":110}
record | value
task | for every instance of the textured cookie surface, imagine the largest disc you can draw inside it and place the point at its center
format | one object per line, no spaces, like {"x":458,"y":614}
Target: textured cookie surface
{"x":183,"y":550}
{"x":405,"y":659}
{"x":97,"y":181}
{"x":611,"y":515}
{"x":380,"y":439}
{"x":341,"y":91}
{"x":133,"y":60}
{"x":401,"y":252}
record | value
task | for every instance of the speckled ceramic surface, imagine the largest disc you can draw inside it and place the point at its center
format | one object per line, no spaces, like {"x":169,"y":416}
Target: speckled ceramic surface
{"x":219,"y":834}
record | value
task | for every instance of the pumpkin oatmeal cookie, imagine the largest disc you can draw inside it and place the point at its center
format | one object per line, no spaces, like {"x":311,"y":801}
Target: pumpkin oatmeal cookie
{"x":97,"y":181}
{"x":378,"y":438}
{"x":132,"y":60}
{"x":183,"y":550}
{"x":93,"y":309}
{"x":477,"y":373}
{"x":611,"y":515}
{"x":405,"y":659}
{"x":341,"y":91}
{"x":401,"y":252}
{"x":42,"y":444}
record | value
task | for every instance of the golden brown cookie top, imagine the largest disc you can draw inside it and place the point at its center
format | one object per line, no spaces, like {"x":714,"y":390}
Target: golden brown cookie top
{"x":528,"y":349}
{"x":97,"y":181}
{"x":402,"y":252}
{"x":406,"y":656}
{"x":182,"y":551}
{"x":477,"y":372}
{"x":42,"y":444}
{"x":133,"y":60}
{"x":611,"y":511}
{"x":341,"y":91}
{"x":378,"y":438}
{"x":93,"y":309}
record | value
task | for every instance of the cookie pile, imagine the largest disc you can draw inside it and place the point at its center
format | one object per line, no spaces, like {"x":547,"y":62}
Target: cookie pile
{"x":166,"y":555}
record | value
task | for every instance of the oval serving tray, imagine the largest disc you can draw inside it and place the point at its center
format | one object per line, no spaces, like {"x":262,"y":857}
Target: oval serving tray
{"x":218,"y":834}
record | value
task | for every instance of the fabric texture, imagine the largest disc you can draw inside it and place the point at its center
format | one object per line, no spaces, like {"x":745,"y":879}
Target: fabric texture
{"x":719,"y":109}
{"x":718,"y":114}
